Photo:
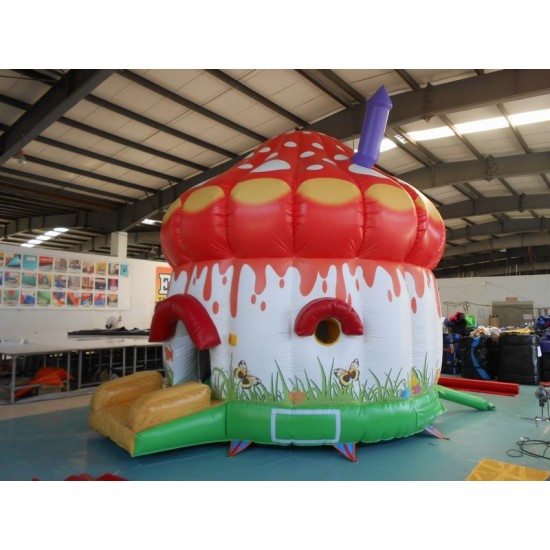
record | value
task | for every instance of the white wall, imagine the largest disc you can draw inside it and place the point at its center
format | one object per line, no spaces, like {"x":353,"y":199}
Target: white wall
{"x":137,"y":300}
{"x":475,"y":295}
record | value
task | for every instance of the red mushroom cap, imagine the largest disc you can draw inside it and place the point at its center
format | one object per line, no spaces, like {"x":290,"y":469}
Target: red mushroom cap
{"x":300,"y":195}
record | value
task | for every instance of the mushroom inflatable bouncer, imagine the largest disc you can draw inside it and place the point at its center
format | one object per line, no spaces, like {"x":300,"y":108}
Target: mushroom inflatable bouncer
{"x":302,"y":308}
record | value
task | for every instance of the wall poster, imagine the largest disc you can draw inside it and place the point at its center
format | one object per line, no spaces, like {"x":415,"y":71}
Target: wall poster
{"x":54,"y":281}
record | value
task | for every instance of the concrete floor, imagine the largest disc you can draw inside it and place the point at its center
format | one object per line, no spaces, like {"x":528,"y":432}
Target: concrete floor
{"x":51,"y":440}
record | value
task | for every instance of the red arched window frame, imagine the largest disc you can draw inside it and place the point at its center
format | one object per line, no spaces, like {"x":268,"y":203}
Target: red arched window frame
{"x":188,"y":310}
{"x":326,"y":308}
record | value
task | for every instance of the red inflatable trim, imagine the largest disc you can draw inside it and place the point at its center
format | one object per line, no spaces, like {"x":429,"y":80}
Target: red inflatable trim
{"x":185,"y":308}
{"x":325,"y":308}
{"x":480,"y":386}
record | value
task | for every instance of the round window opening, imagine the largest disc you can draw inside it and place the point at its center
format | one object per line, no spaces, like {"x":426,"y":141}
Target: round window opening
{"x":328,"y":331}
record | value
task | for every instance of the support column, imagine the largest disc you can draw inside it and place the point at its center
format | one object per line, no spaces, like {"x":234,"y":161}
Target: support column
{"x":119,"y":244}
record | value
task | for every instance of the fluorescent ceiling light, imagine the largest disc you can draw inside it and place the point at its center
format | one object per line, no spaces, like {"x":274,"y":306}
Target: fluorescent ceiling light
{"x":34,"y":241}
{"x":432,"y":133}
{"x":43,"y":237}
{"x":60,"y":229}
{"x":482,"y":125}
{"x":147,"y":221}
{"x":27,"y":245}
{"x":531,"y":117}
{"x":52,"y":233}
{"x":386,"y":145}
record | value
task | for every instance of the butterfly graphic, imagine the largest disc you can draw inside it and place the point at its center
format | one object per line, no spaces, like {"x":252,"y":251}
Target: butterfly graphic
{"x":347,"y":377}
{"x":246,"y":380}
{"x":168,"y":353}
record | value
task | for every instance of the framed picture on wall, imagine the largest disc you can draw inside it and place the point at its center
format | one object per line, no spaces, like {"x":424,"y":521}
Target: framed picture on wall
{"x":30,"y":261}
{"x":43,"y":298}
{"x":13,"y":260}
{"x":28,"y":297}
{"x":75,"y":265}
{"x":12,"y":278}
{"x":60,"y":280}
{"x":73,"y":299}
{"x":101,"y":268}
{"x":100,"y":283}
{"x":10,"y":297}
{"x":73,"y":282}
{"x":44,"y":280}
{"x":28,"y":278}
{"x":87,"y":283}
{"x":59,"y":298}
{"x":45,"y":263}
{"x":86,"y":299}
{"x":60,"y":264}
{"x":88,"y":267}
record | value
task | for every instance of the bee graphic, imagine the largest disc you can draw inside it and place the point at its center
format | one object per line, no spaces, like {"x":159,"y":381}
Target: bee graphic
{"x":246,"y":380}
{"x":347,"y":377}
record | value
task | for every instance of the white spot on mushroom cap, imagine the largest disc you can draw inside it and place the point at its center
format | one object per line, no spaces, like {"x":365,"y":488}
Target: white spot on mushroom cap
{"x":330,"y":161}
{"x":306,"y":154}
{"x":264,"y":150}
{"x":290,"y":144}
{"x":341,"y":157}
{"x":270,"y":165}
{"x":273,"y":155}
{"x":245,"y":166}
{"x":315,"y":167}
{"x":356,"y":169}
{"x":318,"y":145}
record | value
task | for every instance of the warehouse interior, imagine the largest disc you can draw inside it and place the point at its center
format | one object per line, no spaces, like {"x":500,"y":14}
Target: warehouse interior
{"x":105,"y":153}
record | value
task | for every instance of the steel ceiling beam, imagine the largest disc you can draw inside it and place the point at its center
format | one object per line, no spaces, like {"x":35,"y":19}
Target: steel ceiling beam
{"x":256,"y":96}
{"x":312,"y":76}
{"x":97,"y":156}
{"x":108,"y":136}
{"x":87,"y":174}
{"x":487,"y":168}
{"x":342,"y":84}
{"x":492,"y":205}
{"x":492,"y":87}
{"x":159,"y":126}
{"x":523,"y":225}
{"x":493,"y":270}
{"x":97,"y":220}
{"x":60,"y":187}
{"x":66,"y":93}
{"x":138,"y":79}
{"x":516,"y":241}
{"x":144,"y":120}
{"x":147,"y":238}
{"x":468,"y":93}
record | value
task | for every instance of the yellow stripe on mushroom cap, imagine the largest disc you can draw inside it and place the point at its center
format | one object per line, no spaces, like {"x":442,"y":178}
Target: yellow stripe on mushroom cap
{"x":329,"y":191}
{"x":259,"y":191}
{"x":202,"y":198}
{"x":390,"y":196}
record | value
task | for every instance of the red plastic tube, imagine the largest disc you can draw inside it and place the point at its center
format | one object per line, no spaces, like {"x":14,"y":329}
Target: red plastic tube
{"x":481,"y":386}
